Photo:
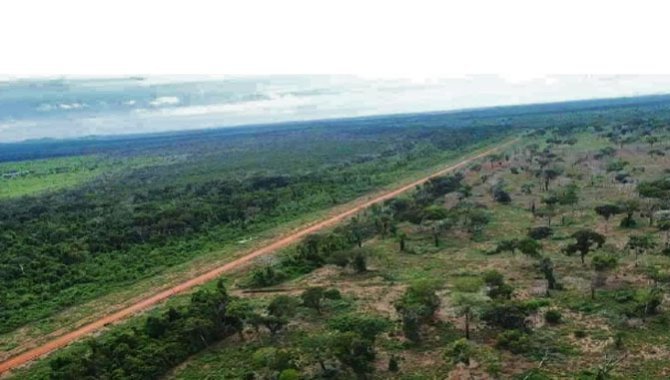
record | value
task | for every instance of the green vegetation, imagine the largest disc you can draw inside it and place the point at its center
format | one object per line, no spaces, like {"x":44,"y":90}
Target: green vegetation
{"x":62,"y":248}
{"x":451,"y":280}
{"x":48,"y":175}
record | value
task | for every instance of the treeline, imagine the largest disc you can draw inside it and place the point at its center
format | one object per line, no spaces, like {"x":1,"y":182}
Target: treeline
{"x":163,"y":341}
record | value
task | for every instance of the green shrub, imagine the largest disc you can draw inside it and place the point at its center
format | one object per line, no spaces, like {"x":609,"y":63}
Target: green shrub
{"x":289,"y":374}
{"x":459,"y":351}
{"x":393,"y":364}
{"x":603,"y":262}
{"x":497,"y":289}
{"x":553,"y":316}
{"x":332,"y":294}
{"x":506,"y":315}
{"x":268,"y":276}
{"x":541,"y":232}
{"x":534,"y":305}
{"x":514,"y":341}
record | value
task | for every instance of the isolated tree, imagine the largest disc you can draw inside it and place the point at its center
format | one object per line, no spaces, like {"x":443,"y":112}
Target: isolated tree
{"x":659,"y":189}
{"x":359,"y":261}
{"x":664,"y":226}
{"x":402,"y":241}
{"x":640,"y":244}
{"x":547,"y":268}
{"x":496,"y":287}
{"x":494,"y":158}
{"x":651,"y":140}
{"x":629,"y":207}
{"x":607,"y":211}
{"x":438,"y":228}
{"x":548,"y":212}
{"x":507,"y":246}
{"x":366,"y":326}
{"x":540,"y":232}
{"x":354,"y":352}
{"x":319,"y":348}
{"x":658,"y":193}
{"x":529,"y":247}
{"x":569,"y":196}
{"x":312,"y":298}
{"x":548,"y":175}
{"x":473,"y":218}
{"x":417,"y":306}
{"x":585,"y":241}
{"x":468,"y":306}
{"x":601,"y":265}
{"x":501,"y":196}
{"x":465,"y":191}
{"x":282,"y":306}
{"x":527,"y":188}
{"x":278,"y":311}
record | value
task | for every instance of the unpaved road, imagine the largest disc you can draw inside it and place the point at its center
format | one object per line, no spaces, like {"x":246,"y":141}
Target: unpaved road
{"x":278,"y":244}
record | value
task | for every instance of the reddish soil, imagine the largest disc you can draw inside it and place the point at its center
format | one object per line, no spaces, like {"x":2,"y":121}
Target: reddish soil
{"x":278,"y":244}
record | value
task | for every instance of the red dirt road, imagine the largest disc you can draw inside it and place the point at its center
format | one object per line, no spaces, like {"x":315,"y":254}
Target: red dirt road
{"x":280,"y":243}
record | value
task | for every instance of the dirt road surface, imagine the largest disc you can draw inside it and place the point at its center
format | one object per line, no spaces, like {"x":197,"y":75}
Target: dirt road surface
{"x":278,"y":244}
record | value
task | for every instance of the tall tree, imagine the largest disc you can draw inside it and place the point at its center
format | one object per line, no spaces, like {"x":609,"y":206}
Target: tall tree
{"x":640,"y":244}
{"x":585,"y":242}
{"x":606,"y":211}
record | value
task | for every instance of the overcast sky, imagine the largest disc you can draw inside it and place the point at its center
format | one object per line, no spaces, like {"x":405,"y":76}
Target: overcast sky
{"x":382,"y":57}
{"x":65,"y":108}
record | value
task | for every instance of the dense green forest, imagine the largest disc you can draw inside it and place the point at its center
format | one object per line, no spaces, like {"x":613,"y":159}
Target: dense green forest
{"x":451,"y":267}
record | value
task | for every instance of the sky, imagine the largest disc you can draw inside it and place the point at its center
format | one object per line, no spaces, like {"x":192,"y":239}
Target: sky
{"x":71,"y":68}
{"x":71,"y":108}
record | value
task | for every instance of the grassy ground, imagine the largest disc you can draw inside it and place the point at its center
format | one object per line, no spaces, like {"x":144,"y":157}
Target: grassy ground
{"x":593,"y":334}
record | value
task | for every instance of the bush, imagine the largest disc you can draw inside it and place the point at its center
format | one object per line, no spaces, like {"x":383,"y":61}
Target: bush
{"x":467,"y":284}
{"x":393,"y":364}
{"x":553,"y":316}
{"x":289,"y":374}
{"x":366,"y":326}
{"x":580,"y":334}
{"x":506,"y":316}
{"x":497,"y":289}
{"x":616,"y":166}
{"x":647,"y":302}
{"x":628,"y":222}
{"x":529,"y":247}
{"x":359,"y":262}
{"x":332,"y":294}
{"x":539,"y":233}
{"x":603,"y":262}
{"x":267,"y":276}
{"x":534,"y":305}
{"x":501,"y":196}
{"x":417,"y":306}
{"x":514,"y":341}
{"x":459,"y":352}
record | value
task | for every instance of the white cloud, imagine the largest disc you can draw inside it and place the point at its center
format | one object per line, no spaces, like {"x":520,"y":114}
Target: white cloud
{"x":71,"y":106}
{"x":165,"y":101}
{"x":275,"y":104}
